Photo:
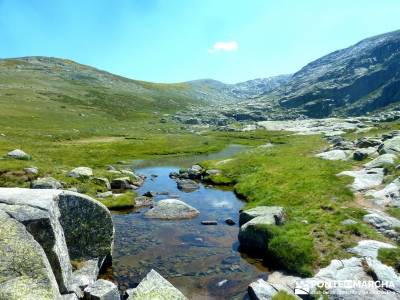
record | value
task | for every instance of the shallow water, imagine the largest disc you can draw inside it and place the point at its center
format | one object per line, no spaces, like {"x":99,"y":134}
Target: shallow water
{"x":188,"y":160}
{"x":201,"y":261}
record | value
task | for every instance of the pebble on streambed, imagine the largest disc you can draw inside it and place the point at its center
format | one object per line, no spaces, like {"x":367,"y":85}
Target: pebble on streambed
{"x":209,"y":222}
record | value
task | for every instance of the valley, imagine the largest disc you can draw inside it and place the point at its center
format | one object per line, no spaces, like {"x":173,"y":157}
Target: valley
{"x":227,"y":191}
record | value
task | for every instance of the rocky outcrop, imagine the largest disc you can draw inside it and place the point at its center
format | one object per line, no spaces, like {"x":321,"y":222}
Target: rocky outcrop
{"x":384,"y":223}
{"x":67,"y":226}
{"x":354,"y":269}
{"x":352,"y":81}
{"x":391,"y":145}
{"x":383,"y":160}
{"x":388,"y":196}
{"x":172,"y":209}
{"x":154,"y":286}
{"x":365,"y":179}
{"x":369,"y":248}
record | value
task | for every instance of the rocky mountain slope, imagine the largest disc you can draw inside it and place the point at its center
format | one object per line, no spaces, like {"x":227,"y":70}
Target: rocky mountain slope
{"x":213,"y":90}
{"x":50,"y":80}
{"x":357,"y":80}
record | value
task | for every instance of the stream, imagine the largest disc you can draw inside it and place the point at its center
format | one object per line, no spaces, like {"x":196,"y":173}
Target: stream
{"x":203,"y":262}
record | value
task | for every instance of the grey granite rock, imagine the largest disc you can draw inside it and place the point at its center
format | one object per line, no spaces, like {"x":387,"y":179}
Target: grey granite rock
{"x":369,"y":248}
{"x":275,"y":213}
{"x":390,"y":146}
{"x":45,"y":227}
{"x":365,"y":179}
{"x":381,"y":161}
{"x":86,"y":274}
{"x":187,"y":185}
{"x":18,"y":154}
{"x":46,"y":183}
{"x":102,"y":290}
{"x":154,"y":286}
{"x":81,"y":172}
{"x":334,"y":155}
{"x":25,"y":272}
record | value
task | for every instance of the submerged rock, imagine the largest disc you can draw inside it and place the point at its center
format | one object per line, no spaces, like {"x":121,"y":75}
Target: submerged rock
{"x":18,"y":154}
{"x":187,"y":185}
{"x":209,"y":222}
{"x":142,"y":201}
{"x":230,"y":222}
{"x":172,"y":209}
{"x":154,"y":286}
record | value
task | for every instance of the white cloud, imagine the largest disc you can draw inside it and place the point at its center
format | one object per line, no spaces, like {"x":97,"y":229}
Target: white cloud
{"x":224,"y":46}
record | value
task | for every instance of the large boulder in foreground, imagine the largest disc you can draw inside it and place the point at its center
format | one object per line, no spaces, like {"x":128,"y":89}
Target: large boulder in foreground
{"x":25,"y":272}
{"x":172,"y":209}
{"x":67,"y":226}
{"x":154,"y":286}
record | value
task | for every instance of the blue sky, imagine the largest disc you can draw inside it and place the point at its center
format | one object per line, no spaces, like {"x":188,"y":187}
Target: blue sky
{"x":179,"y":40}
